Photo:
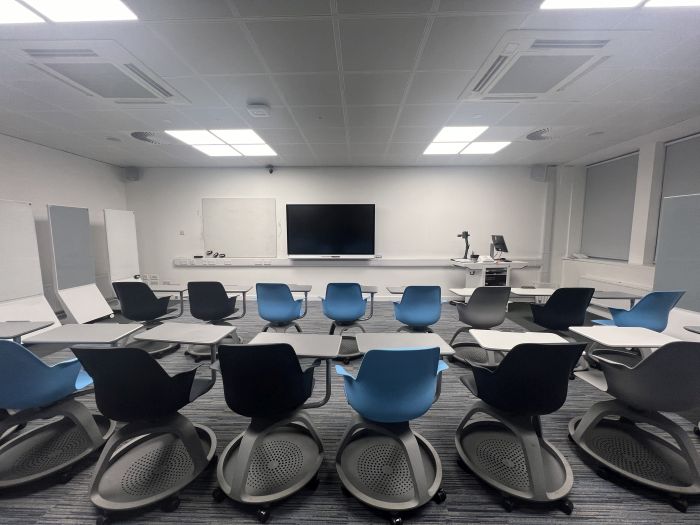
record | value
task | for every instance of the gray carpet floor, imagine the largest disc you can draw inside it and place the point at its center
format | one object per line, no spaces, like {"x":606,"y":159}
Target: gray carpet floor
{"x":468,"y":500}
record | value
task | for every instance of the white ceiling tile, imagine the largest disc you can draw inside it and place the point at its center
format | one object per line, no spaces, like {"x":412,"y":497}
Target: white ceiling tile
{"x":318,"y":117}
{"x":363,"y":135}
{"x":275,"y":137}
{"x":354,"y":7}
{"x":157,"y":119}
{"x":272,"y":8}
{"x":422,"y":135}
{"x":21,"y":125}
{"x":211,"y":47}
{"x":564,"y":19}
{"x":430,"y":87}
{"x":295,"y":45}
{"x":640,"y":85}
{"x":489,"y":6}
{"x":378,"y":116}
{"x":179,"y":9}
{"x":372,"y":149}
{"x":504,"y":133}
{"x":589,"y":114}
{"x":213,"y":118}
{"x":534,"y":114}
{"x":586,"y":87}
{"x":425,"y":115}
{"x":310,"y":90}
{"x":683,"y":23}
{"x":60,"y":95}
{"x":362,"y":89}
{"x":279,"y":118}
{"x":330,"y":152}
{"x":297,"y":151}
{"x":334,"y":135}
{"x":196,"y":91}
{"x":14,"y":99}
{"x":109,"y":120}
{"x":405,"y":149}
{"x":380,"y":43}
{"x":481,"y":113}
{"x":464,"y":42}
{"x":240,"y":90}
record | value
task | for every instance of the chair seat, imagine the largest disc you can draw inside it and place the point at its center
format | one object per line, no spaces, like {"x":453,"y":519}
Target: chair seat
{"x":604,"y":322}
{"x":200,"y":386}
{"x":469,"y":381}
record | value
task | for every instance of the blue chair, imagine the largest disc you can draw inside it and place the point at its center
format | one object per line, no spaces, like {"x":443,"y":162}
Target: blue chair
{"x":380,"y":460}
{"x":650,"y":312}
{"x":419,"y":308}
{"x":277,"y":306}
{"x":344,"y":305}
{"x":37,"y":391}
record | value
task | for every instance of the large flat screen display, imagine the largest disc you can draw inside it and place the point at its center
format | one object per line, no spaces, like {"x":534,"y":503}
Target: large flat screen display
{"x":345,"y":230}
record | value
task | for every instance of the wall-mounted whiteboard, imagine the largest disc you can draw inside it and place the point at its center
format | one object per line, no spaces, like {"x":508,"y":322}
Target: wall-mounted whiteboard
{"x":122,"y":248}
{"x":20,"y":273}
{"x":74,"y":262}
{"x":240,"y":227}
{"x":678,"y":249}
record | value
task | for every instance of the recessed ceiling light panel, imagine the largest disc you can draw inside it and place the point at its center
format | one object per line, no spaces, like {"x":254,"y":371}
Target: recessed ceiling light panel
{"x":459,"y":133}
{"x":255,"y":150}
{"x":12,"y":12}
{"x":484,"y":148}
{"x":238,"y":136}
{"x":672,"y":3}
{"x":444,"y":148}
{"x":218,"y":150}
{"x":82,"y":10}
{"x":194,"y":136}
{"x":589,"y":4}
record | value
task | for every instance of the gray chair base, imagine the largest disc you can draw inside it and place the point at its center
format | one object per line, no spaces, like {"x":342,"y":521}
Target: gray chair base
{"x":388,"y":466}
{"x":345,"y":356}
{"x":145,"y":463}
{"x":51,"y":449}
{"x":620,"y":446}
{"x":155,"y":348}
{"x":511,"y":455}
{"x":269,"y":462}
{"x":281,"y":328}
{"x":415,"y":329}
{"x":203,"y":352}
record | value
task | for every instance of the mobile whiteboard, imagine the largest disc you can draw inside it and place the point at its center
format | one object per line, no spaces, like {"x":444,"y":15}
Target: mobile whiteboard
{"x":20,"y":272}
{"x":122,"y":247}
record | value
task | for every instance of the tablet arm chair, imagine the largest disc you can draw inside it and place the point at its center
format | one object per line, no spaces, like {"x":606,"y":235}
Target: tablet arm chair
{"x":345,"y":306}
{"x":419,"y":308}
{"x":35,"y":391}
{"x":650,"y":312}
{"x":277,"y":306}
{"x":566,"y":307}
{"x":209,"y":302}
{"x":665,"y":381}
{"x":485,"y":309}
{"x":531,"y":381}
{"x":380,"y":460}
{"x":139,"y":303}
{"x":159,"y":451}
{"x":266,"y":383}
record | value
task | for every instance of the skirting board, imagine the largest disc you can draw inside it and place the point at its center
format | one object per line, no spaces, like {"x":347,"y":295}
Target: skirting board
{"x":184,"y":262}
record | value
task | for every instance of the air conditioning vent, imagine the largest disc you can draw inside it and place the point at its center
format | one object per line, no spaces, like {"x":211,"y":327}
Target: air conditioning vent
{"x":152,"y":137}
{"x":148,"y":80}
{"x":60,"y":53}
{"x":569,"y":44}
{"x":539,"y":134}
{"x":491,"y":72}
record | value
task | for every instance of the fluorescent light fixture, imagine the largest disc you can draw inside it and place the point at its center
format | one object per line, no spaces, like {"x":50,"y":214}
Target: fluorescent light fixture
{"x":255,"y":150}
{"x":82,"y":10}
{"x":588,"y":4}
{"x":444,"y":148}
{"x":672,"y":3}
{"x":194,"y":136}
{"x":484,"y":148}
{"x":459,"y":133}
{"x":238,"y":136}
{"x":12,"y":12}
{"x":218,"y":150}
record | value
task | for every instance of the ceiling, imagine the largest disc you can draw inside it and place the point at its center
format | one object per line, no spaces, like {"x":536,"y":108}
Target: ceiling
{"x":353,"y":82}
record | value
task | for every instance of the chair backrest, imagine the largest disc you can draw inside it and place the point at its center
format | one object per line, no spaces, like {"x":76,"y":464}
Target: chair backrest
{"x":344,"y":302}
{"x":137,"y":300}
{"x":209,"y":300}
{"x":396,"y":385}
{"x":130,"y":385}
{"x":262,"y":380}
{"x":27,"y":382}
{"x":421,"y":305}
{"x":650,"y":312}
{"x":532,"y":379}
{"x":275,"y":302}
{"x":666,"y":381}
{"x":486,"y":307}
{"x":567,"y":307}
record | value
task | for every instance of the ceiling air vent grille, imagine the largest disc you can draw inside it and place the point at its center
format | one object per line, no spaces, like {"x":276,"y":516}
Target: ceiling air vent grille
{"x":152,"y":137}
{"x":539,"y":134}
{"x":490,"y":73}
{"x":148,"y":80}
{"x":568,"y":44}
{"x":60,"y":53}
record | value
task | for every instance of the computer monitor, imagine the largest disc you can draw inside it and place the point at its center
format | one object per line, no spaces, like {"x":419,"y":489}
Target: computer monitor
{"x":499,"y":243}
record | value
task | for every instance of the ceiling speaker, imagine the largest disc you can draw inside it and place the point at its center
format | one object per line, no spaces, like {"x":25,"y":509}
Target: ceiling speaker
{"x":132,"y":174}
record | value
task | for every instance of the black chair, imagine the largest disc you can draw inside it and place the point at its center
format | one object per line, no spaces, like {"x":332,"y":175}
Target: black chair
{"x":267,"y":384}
{"x":159,"y":451}
{"x":209,"y":302}
{"x":566,"y":307}
{"x":485,"y":309}
{"x":139,"y":303}
{"x":511,"y":454}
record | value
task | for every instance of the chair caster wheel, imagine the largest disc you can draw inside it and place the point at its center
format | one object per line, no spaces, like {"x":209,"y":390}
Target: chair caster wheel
{"x":263,"y":515}
{"x":696,"y":430}
{"x":65,"y":477}
{"x":346,"y":361}
{"x":440,"y":496}
{"x":507,"y":503}
{"x":313,"y":483}
{"x":396,"y":520}
{"x":680,"y":504}
{"x":102,"y":520}
{"x":218,"y":495}
{"x":566,"y":506}
{"x":170,"y":504}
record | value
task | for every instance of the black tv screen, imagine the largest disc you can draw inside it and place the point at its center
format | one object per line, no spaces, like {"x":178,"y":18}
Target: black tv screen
{"x":330,"y":229}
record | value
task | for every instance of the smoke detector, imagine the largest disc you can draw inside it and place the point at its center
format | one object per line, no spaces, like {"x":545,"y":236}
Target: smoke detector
{"x":258,"y":110}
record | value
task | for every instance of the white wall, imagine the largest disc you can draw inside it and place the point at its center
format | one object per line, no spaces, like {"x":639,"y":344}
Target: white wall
{"x":42,"y":176}
{"x":419,"y":213}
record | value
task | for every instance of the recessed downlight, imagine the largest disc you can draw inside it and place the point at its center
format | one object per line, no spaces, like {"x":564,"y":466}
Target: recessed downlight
{"x":12,"y":12}
{"x":589,"y":4}
{"x":224,"y":142}
{"x":238,"y":136}
{"x":82,"y":10}
{"x":444,"y":148}
{"x":459,"y":133}
{"x":672,"y":3}
{"x":484,"y":148}
{"x":218,"y":150}
{"x":193,"y":137}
